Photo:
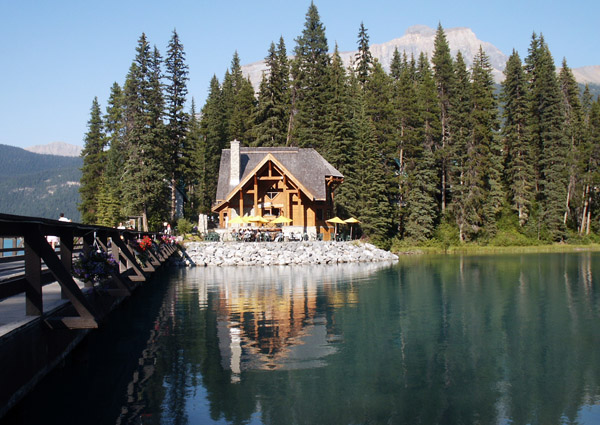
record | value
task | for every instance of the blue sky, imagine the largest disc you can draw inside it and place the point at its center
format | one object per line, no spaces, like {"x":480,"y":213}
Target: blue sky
{"x":57,"y":55}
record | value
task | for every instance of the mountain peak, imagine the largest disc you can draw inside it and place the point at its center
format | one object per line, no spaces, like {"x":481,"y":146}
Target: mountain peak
{"x":420,"y":38}
{"x":56,"y":148}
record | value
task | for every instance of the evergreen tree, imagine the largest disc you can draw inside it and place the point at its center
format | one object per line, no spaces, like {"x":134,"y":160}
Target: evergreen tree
{"x":589,"y":161}
{"x":461,"y":128}
{"x":444,"y":80}
{"x":210,"y":144}
{"x":421,"y":174}
{"x":486,"y":153}
{"x":273,"y":100}
{"x":193,"y":142}
{"x":110,"y":204}
{"x":309,"y":73}
{"x":177,"y":150}
{"x":238,"y":103}
{"x":144,"y":175}
{"x":340,"y":135}
{"x":408,"y":144}
{"x":93,"y":166}
{"x":396,"y":66}
{"x":519,"y":174}
{"x":573,"y":128}
{"x":372,"y":204}
{"x":546,"y":121}
{"x":364,"y":59}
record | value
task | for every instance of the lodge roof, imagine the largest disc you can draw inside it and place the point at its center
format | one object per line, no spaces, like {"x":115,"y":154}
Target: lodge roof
{"x":305,"y":165}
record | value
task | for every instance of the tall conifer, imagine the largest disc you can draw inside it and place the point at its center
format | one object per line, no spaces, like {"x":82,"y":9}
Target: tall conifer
{"x":546,"y":120}
{"x":444,"y":80}
{"x":519,"y":174}
{"x":177,"y":150}
{"x":309,"y":73}
{"x":94,"y":163}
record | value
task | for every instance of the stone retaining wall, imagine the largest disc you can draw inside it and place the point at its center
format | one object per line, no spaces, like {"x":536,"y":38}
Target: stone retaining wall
{"x":282,"y":253}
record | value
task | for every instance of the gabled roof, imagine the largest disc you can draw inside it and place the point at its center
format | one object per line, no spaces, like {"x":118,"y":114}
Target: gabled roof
{"x":306,"y":167}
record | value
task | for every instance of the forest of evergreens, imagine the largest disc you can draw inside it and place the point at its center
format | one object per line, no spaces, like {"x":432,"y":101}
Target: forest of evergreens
{"x":430,"y":150}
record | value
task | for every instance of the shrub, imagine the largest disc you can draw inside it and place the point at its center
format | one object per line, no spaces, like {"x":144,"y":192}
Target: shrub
{"x":184,"y":226}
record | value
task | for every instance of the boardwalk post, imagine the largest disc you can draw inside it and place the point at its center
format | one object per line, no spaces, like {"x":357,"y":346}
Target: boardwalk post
{"x":66,"y":253}
{"x":33,"y":272}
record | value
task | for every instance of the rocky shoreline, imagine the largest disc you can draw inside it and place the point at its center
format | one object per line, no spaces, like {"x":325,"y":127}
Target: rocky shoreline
{"x":281,"y":253}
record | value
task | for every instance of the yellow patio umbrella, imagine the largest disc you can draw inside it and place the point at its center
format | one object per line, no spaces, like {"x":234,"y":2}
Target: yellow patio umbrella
{"x":335,"y":220}
{"x":351,"y":221}
{"x":281,"y":220}
{"x":257,"y":219}
{"x":237,"y":220}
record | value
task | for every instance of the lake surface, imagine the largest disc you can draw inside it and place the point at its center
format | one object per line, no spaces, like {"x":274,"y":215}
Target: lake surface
{"x":510,"y":339}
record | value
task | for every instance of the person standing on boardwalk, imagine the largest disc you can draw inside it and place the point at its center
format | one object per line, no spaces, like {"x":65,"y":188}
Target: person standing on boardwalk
{"x":53,"y":240}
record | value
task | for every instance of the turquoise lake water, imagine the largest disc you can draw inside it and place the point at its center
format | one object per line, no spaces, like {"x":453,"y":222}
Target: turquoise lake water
{"x":506,"y":339}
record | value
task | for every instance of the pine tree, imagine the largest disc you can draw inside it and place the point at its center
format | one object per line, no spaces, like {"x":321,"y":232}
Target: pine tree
{"x":110,"y":204}
{"x":519,"y":176}
{"x":444,"y":80}
{"x":408,"y":142}
{"x":210,"y":143}
{"x":93,"y":166}
{"x":272,"y":114}
{"x":340,"y":135}
{"x":573,"y":128}
{"x":546,"y":121}
{"x":238,"y":103}
{"x":372,"y":204}
{"x":589,"y":160}
{"x":364,"y":59}
{"x":177,"y":150}
{"x":421,"y":174}
{"x":486,"y":149}
{"x":396,"y":66}
{"x":144,"y":175}
{"x":309,"y":73}
{"x":461,"y":128}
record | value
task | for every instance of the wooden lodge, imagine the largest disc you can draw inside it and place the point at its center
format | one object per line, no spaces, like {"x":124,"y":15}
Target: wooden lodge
{"x":296,"y":183}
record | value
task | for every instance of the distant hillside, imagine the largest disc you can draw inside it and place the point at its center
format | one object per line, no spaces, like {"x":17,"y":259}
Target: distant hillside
{"x":56,"y":148}
{"x":38,"y":185}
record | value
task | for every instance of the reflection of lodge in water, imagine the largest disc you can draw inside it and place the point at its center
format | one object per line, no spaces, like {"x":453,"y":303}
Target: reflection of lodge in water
{"x":276,"y":319}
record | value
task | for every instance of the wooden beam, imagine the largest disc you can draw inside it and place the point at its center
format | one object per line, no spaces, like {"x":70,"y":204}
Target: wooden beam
{"x":64,"y":278}
{"x":126,"y":252}
{"x":33,"y":271}
{"x":66,"y":252}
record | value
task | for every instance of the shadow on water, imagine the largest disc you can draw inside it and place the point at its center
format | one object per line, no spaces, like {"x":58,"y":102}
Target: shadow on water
{"x":509,"y":339}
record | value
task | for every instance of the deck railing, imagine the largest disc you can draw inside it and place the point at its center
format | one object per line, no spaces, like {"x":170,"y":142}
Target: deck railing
{"x":30,"y":262}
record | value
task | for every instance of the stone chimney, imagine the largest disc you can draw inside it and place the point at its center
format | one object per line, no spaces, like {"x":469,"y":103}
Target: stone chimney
{"x":234,"y":166}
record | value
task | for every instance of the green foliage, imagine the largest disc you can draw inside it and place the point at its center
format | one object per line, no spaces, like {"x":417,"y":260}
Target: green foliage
{"x":309,"y":75}
{"x":184,"y":226}
{"x":94,"y":164}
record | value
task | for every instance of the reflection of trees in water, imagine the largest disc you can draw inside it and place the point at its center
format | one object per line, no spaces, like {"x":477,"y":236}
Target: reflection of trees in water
{"x":140,"y":387}
{"x":432,"y":340}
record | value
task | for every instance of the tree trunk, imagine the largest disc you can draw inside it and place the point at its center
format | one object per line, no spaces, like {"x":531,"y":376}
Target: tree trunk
{"x":585,"y":207}
{"x":145,"y":220}
{"x":173,"y":198}
{"x":569,"y":189}
{"x":589,"y":216}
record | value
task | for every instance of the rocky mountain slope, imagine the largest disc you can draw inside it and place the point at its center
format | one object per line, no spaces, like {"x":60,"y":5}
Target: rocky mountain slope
{"x":56,"y":148}
{"x":38,"y":185}
{"x":420,"y":38}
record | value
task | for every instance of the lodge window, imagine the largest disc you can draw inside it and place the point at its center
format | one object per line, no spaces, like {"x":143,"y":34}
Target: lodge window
{"x":319,"y":213}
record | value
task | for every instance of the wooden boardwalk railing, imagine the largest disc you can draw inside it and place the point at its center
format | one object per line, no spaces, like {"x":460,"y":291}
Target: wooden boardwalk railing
{"x":30,"y":263}
{"x":35,"y":343}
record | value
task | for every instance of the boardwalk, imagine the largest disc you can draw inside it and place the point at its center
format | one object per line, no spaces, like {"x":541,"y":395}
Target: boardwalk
{"x":44,"y":310}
